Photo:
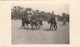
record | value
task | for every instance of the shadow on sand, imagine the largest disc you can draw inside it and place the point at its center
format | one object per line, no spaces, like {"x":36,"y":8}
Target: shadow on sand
{"x":48,"y":29}
{"x":29,"y":28}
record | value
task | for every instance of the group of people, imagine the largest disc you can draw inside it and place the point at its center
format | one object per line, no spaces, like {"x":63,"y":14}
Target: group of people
{"x":35,"y":21}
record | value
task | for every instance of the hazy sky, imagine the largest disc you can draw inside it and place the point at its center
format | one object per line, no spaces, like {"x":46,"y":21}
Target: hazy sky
{"x":58,"y":8}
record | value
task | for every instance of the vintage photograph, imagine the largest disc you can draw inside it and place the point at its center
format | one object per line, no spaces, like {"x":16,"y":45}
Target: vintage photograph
{"x":40,"y":23}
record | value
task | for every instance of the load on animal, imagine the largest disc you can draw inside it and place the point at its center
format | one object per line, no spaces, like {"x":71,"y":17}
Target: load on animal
{"x":31,"y":19}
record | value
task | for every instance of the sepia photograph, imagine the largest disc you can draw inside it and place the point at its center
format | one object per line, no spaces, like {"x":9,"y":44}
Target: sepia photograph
{"x":40,"y":23}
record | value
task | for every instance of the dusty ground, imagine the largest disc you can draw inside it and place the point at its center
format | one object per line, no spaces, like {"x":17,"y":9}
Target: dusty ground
{"x":42,"y":36}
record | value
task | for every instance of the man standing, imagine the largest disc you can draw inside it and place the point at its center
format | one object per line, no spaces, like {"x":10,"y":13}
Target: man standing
{"x":52,"y":22}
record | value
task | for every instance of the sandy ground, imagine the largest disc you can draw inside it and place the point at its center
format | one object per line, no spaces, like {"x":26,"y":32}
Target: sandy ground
{"x":42,"y":36}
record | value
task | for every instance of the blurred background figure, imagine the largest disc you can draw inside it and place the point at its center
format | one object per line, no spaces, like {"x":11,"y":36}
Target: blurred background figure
{"x":64,"y":18}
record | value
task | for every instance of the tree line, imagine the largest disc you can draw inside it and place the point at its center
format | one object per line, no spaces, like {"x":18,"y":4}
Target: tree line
{"x":17,"y":12}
